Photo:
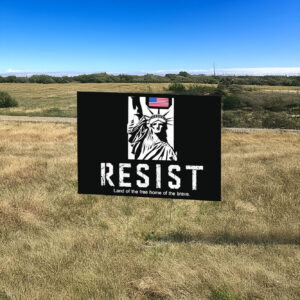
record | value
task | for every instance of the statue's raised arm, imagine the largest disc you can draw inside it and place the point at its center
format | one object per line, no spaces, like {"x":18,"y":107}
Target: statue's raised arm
{"x":135,"y":106}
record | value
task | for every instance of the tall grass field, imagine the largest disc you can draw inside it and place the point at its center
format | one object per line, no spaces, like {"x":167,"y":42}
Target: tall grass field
{"x":59,"y":100}
{"x":56,"y":244}
{"x":243,"y":106}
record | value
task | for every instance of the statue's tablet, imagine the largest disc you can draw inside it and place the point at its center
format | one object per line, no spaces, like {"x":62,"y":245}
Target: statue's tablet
{"x":149,"y":145}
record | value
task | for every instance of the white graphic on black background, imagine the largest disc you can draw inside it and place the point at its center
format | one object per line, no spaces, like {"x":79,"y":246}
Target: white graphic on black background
{"x":150,"y":128}
{"x":161,"y":145}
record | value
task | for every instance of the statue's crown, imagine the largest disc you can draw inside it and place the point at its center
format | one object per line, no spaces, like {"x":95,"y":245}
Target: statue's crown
{"x":161,"y":118}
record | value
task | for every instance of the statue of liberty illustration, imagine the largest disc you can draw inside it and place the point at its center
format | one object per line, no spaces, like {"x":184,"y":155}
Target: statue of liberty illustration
{"x":148,"y":130}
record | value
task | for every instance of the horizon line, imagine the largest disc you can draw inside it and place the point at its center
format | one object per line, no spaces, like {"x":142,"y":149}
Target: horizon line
{"x":259,"y":71}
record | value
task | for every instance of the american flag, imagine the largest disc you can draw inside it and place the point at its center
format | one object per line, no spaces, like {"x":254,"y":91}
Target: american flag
{"x":158,"y":102}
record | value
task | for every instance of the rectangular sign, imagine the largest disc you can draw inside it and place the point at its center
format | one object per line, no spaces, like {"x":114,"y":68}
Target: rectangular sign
{"x":149,"y":145}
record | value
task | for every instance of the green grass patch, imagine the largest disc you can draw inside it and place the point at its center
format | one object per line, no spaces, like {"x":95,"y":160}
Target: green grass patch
{"x":53,"y":112}
{"x":223,"y":295}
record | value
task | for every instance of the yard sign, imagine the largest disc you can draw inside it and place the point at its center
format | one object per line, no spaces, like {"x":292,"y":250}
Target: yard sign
{"x":149,"y":145}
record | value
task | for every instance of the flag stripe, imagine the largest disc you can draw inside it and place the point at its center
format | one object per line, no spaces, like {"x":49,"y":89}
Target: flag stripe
{"x":158,"y":102}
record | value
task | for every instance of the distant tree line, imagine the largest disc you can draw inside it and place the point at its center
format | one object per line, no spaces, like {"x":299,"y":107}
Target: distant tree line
{"x":181,"y":77}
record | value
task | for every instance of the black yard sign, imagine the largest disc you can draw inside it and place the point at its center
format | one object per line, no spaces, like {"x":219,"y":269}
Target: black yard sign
{"x":149,"y":145}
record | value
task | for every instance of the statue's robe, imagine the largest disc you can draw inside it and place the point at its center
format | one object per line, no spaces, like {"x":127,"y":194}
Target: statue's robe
{"x":146,"y":145}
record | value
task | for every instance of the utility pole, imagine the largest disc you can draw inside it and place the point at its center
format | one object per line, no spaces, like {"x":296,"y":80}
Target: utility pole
{"x":214,"y":70}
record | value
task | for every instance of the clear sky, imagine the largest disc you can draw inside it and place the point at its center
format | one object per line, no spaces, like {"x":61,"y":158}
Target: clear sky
{"x":148,"y":36}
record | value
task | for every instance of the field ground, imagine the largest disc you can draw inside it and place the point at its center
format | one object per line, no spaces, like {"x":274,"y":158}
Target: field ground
{"x":56,"y":244}
{"x":274,"y":88}
{"x":59,"y":100}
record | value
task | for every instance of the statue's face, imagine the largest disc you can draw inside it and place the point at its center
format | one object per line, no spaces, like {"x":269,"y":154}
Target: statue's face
{"x":157,"y":126}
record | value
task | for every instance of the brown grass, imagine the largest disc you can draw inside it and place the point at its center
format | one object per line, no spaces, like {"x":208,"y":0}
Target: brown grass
{"x":60,"y":245}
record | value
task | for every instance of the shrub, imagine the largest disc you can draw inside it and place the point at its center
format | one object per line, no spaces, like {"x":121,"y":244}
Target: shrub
{"x":279,"y":120}
{"x":41,"y":79}
{"x":200,"y":89}
{"x":6,"y":100}
{"x":221,"y":90}
{"x":231,"y":102}
{"x":235,"y":89}
{"x":176,"y":87}
{"x":258,"y":101}
{"x":184,"y":74}
{"x":194,"y":89}
{"x":229,"y":119}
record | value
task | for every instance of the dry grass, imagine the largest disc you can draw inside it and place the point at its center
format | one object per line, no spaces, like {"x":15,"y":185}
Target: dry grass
{"x":279,"y":88}
{"x":56,"y":244}
{"x":60,"y":99}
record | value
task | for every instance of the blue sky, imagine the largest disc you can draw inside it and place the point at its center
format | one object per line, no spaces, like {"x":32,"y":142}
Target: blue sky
{"x":148,"y":36}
